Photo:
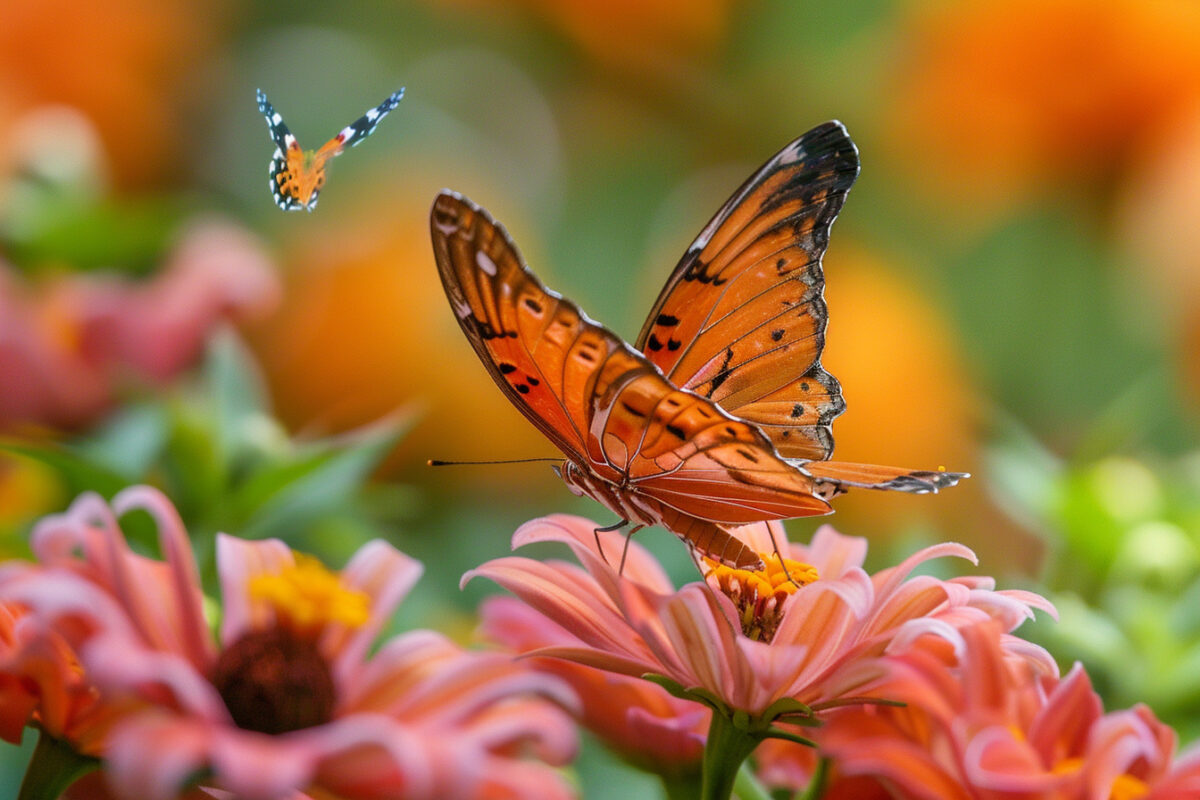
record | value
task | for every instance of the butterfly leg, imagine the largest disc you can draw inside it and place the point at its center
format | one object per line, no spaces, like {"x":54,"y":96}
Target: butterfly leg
{"x":779,"y":555}
{"x":625,"y":549}
{"x":616,"y":526}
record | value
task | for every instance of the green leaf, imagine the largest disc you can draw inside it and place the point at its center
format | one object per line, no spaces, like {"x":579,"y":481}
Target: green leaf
{"x":78,"y":472}
{"x":327,"y":486}
{"x":129,"y":442}
{"x":53,"y":768}
{"x":236,"y":389}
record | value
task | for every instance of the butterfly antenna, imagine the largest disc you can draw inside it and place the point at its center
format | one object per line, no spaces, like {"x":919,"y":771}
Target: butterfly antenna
{"x":434,"y":462}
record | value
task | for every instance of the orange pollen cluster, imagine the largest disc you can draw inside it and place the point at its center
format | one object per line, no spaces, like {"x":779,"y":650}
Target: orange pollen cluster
{"x":760,"y":594}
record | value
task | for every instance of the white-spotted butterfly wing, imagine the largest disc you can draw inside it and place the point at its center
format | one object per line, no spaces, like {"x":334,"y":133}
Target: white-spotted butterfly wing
{"x":665,"y":449}
{"x":296,"y":175}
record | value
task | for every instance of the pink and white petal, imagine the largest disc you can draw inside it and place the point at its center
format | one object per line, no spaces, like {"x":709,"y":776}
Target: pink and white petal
{"x":889,"y":580}
{"x":566,"y":595}
{"x":997,"y":759}
{"x":397,"y":669}
{"x":600,"y":659}
{"x":152,"y":755}
{"x":256,"y":766}
{"x":579,"y":534}
{"x":123,"y":669}
{"x":238,"y":562}
{"x":186,"y":615}
{"x":162,"y":600}
{"x":524,"y":725}
{"x":386,"y":576}
{"x":692,"y":636}
{"x":834,"y":554}
{"x":827,"y":612}
{"x":912,"y":770}
{"x":371,"y":755}
{"x":510,"y":779}
{"x":71,"y":605}
{"x":510,"y":622}
{"x":1068,"y":712}
{"x":472,"y":682}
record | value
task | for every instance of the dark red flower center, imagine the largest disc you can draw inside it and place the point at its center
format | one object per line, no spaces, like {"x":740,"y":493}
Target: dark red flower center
{"x":274,"y":682}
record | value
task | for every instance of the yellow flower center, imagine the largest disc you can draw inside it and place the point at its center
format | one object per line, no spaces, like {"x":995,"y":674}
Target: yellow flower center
{"x":307,"y":597}
{"x":760,"y":594}
{"x":1125,"y":787}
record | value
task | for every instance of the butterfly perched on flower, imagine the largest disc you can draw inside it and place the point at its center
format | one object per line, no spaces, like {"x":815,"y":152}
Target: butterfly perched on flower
{"x":720,"y":415}
{"x":297,"y":175}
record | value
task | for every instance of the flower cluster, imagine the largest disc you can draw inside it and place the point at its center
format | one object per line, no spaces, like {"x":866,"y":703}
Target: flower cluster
{"x":112,"y":652}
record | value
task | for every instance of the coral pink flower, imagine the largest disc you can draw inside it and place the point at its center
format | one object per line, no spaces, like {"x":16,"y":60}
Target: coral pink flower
{"x":67,"y":343}
{"x":985,"y":725}
{"x":638,"y":719}
{"x":757,"y":639}
{"x":291,"y":700}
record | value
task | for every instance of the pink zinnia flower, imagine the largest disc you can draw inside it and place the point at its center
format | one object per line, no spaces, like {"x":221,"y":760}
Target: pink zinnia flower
{"x":635,"y":718}
{"x":290,"y":700}
{"x":68,"y":342}
{"x":810,"y":633}
{"x":983,"y":724}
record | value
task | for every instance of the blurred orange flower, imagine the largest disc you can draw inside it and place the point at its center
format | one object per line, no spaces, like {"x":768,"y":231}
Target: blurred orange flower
{"x":123,"y":63}
{"x":365,"y":328}
{"x":997,"y":97}
{"x":68,"y":342}
{"x":649,"y":37}
{"x":909,"y":398}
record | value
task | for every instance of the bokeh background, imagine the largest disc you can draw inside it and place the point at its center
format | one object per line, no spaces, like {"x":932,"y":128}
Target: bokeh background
{"x":1014,"y":283}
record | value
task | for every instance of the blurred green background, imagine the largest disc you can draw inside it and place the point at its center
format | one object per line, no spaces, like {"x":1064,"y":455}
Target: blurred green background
{"x":1014,"y":283}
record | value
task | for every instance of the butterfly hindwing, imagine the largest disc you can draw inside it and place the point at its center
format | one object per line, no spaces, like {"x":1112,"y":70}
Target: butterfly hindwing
{"x":742,"y":318}
{"x":281,"y":183}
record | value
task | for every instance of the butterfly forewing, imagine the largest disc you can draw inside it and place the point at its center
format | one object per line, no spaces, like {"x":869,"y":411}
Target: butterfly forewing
{"x":279,"y":130}
{"x":361,"y":128}
{"x":742,"y":318}
{"x":538,"y":348}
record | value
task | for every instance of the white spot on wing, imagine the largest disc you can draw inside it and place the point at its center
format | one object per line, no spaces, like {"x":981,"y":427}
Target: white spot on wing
{"x":485,"y":262}
{"x":792,"y":153}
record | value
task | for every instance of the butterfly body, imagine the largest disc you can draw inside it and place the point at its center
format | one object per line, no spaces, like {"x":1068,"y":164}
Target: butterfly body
{"x":720,"y":416}
{"x":297,"y":175}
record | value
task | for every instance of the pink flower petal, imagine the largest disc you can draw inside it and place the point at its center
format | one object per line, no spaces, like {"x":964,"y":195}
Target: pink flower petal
{"x":238,"y":562}
{"x":387,"y":576}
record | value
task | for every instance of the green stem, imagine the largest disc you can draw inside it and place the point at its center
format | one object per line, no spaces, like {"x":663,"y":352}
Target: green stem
{"x":53,"y":768}
{"x":748,"y":787}
{"x":684,"y":786}
{"x":727,"y":747}
{"x":816,"y":785}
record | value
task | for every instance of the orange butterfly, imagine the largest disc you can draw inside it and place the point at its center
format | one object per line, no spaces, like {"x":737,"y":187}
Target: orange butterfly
{"x":721,"y":415}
